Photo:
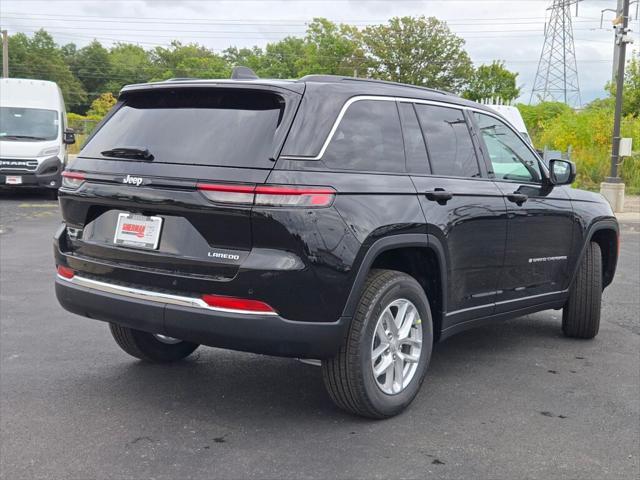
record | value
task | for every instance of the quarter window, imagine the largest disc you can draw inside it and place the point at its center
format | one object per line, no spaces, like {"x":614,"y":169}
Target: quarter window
{"x":449,"y":143}
{"x":510,"y":158}
{"x":414,"y":148}
{"x":368,"y":138}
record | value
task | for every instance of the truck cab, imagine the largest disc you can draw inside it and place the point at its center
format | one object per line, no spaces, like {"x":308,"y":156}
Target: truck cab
{"x":33,"y":134}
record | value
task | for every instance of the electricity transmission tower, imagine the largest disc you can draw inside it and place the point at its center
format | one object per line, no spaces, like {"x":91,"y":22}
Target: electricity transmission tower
{"x":557,"y":75}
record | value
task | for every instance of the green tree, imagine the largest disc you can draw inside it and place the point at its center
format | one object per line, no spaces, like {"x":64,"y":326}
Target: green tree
{"x":282,"y":59}
{"x":246,"y":57}
{"x":92,"y":66}
{"x":69,"y":52}
{"x":39,"y":57}
{"x":101,"y":105}
{"x":331,"y":49}
{"x":493,"y":82}
{"x":190,"y":60}
{"x":418,"y":51}
{"x":129,"y":64}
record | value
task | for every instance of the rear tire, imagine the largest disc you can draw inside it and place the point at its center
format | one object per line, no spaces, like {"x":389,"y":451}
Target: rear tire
{"x":349,"y":377}
{"x":581,"y":313}
{"x":146,"y":346}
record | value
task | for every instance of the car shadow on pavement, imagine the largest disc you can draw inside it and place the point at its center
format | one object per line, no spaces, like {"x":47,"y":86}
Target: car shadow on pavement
{"x":24,"y":195}
{"x":227,"y":385}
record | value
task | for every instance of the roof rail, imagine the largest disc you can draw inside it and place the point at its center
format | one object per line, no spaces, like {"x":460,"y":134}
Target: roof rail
{"x":243,"y":73}
{"x":339,"y":78}
{"x":180,"y":79}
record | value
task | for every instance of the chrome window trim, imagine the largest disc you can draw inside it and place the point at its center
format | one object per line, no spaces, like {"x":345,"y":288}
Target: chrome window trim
{"x":164,"y":298}
{"x":384,"y":98}
{"x":336,"y":124}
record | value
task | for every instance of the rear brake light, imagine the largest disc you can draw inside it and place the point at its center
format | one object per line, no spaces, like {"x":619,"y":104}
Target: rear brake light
{"x":238,"y":304}
{"x":275,"y":196}
{"x":237,"y":194}
{"x":72,"y":180}
{"x":65,"y":272}
{"x":268,"y":195}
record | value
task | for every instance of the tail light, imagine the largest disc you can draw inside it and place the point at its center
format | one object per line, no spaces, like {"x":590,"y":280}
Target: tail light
{"x":237,"y":304}
{"x":65,"y":272}
{"x":275,"y":196}
{"x":269,"y":195}
{"x":72,"y":180}
{"x":237,"y":194}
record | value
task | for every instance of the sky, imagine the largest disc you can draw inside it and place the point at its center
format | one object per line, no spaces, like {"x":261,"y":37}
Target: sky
{"x":493,"y":29}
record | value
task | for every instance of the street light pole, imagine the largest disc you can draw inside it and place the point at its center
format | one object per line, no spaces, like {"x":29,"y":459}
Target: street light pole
{"x":621,"y":47}
{"x":612,"y":187}
{"x":5,"y":54}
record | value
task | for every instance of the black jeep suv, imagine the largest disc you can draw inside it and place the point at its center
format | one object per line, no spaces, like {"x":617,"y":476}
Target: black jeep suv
{"x":355,"y":222}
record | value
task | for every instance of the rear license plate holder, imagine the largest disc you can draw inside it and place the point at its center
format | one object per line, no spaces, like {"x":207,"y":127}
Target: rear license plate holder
{"x":138,"y":231}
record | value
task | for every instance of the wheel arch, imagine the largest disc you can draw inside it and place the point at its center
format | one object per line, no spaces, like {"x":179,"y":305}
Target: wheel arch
{"x":606,"y":234}
{"x":420,"y":255}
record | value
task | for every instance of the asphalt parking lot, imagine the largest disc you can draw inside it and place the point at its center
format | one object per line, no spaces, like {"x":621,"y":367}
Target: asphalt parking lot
{"x":510,"y":400}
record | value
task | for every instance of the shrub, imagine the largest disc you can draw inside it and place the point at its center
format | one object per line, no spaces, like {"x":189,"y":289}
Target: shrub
{"x":588,"y":134}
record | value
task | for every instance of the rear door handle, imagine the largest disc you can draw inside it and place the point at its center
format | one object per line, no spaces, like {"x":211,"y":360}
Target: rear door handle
{"x":439,"y":195}
{"x":518,"y":198}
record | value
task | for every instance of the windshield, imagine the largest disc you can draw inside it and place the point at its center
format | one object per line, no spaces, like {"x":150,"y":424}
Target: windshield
{"x":28,"y":124}
{"x":192,"y":126}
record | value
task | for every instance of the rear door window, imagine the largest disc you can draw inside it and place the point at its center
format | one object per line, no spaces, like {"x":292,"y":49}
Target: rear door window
{"x":449,"y":144}
{"x":368,"y":138}
{"x":194,"y":127}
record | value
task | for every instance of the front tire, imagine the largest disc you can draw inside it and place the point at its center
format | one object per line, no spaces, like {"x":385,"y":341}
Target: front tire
{"x":150,"y":347}
{"x":384,"y":356}
{"x":581,"y":313}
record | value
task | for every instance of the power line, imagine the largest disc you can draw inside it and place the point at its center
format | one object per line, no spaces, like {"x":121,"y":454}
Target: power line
{"x":285,"y":32}
{"x":290,"y":1}
{"x":270,"y":22}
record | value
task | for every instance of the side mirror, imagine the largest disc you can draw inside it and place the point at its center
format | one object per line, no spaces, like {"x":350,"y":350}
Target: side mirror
{"x":562,"y":172}
{"x":69,"y":136}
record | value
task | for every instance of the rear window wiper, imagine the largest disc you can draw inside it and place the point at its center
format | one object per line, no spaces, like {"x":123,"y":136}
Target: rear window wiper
{"x":136,"y":153}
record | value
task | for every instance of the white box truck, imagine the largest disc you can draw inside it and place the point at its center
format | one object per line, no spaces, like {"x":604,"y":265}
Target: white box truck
{"x":33,"y":134}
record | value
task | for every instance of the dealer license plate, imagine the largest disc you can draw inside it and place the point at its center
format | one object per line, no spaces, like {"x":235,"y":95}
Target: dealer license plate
{"x":13,"y":180}
{"x":138,"y":231}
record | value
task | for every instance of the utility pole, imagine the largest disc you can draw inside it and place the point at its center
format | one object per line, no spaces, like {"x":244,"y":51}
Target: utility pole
{"x":613,"y":188}
{"x":616,"y":50}
{"x":5,"y":54}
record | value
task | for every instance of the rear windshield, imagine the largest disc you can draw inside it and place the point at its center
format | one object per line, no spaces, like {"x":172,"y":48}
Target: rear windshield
{"x":194,"y":127}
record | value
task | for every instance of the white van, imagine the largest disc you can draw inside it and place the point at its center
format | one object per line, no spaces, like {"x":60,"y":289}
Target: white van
{"x":33,"y":134}
{"x":512,"y":114}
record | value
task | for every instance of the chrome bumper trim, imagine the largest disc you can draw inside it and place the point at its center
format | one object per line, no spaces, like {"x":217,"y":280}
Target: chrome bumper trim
{"x":148,"y":295}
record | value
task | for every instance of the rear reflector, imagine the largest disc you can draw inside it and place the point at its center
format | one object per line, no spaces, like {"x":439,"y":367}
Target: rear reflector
{"x":72,"y":180}
{"x":65,"y":272}
{"x":238,"y":304}
{"x":269,"y":195}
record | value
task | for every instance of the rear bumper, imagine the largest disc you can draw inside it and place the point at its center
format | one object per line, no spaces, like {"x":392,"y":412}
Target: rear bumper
{"x":172,"y":316}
